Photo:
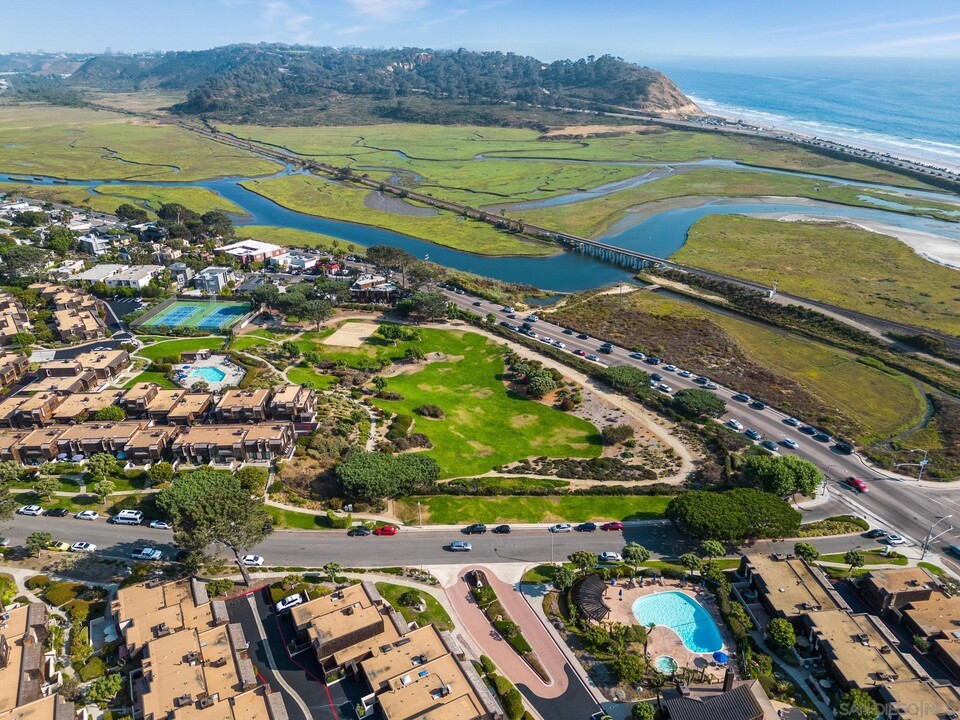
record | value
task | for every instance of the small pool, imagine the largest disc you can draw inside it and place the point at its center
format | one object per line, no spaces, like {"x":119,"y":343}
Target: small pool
{"x":210,"y":374}
{"x":682,"y":614}
{"x":666,"y":664}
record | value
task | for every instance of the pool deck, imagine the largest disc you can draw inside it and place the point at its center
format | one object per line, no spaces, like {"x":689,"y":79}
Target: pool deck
{"x":663,"y":640}
{"x":233,"y":374}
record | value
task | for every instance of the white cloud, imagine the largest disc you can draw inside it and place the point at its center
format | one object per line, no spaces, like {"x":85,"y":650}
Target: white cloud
{"x":386,"y":9}
{"x":280,"y":14}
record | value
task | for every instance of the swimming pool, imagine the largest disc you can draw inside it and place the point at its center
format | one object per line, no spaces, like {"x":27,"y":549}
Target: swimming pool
{"x":682,"y":614}
{"x":210,"y":374}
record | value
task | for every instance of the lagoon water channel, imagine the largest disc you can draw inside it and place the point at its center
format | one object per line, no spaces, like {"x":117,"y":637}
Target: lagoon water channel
{"x":660,"y":233}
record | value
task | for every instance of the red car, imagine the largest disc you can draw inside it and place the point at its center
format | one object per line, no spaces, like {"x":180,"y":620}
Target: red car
{"x":386,"y":530}
{"x":615,"y":525}
{"x":857,"y":484}
{"x":581,"y":353}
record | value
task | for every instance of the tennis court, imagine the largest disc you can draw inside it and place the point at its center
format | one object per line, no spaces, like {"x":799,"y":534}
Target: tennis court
{"x":203,"y":315}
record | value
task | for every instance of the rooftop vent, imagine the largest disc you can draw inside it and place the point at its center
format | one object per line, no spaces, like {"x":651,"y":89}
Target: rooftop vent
{"x":207,"y":702}
{"x":192,"y":657}
{"x":183,"y":700}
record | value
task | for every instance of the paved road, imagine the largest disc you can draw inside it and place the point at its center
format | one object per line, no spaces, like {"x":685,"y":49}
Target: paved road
{"x":410,"y":546}
{"x":896,"y":504}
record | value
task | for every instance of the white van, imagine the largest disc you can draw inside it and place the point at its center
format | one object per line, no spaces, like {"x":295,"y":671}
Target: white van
{"x":127,"y":517}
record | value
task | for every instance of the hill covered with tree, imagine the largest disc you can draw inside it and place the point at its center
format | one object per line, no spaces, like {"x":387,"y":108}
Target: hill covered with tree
{"x":269,"y":82}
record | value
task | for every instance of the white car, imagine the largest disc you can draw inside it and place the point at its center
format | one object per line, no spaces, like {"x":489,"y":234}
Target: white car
{"x":146,"y":553}
{"x":735,"y":424}
{"x":252,"y":560}
{"x":290,"y":601}
{"x":669,"y":368}
{"x":460,"y":546}
{"x":663,"y":387}
{"x":895,"y":540}
{"x":83,"y":547}
{"x":610,"y":557}
{"x":560,"y":344}
{"x":87,"y":515}
{"x":561,"y":528}
{"x":160,"y":525}
{"x":685,"y":373}
{"x":545,"y":339}
{"x":791,"y":443}
{"x":30,"y":510}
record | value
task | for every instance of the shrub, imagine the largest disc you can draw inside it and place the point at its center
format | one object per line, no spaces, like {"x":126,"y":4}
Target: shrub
{"x":487,"y":665}
{"x":60,"y":593}
{"x":80,"y":649}
{"x":219,"y":587}
{"x":79,"y":611}
{"x":430,"y":411}
{"x":92,"y":669}
{"x":513,"y":704}
{"x":388,"y":395}
{"x":38,"y":582}
{"x":501,"y":684}
{"x":339,"y":522}
{"x":400,"y":427}
{"x":616,"y":434}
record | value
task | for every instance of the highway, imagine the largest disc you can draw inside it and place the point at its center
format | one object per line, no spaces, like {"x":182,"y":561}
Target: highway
{"x":891,"y":502}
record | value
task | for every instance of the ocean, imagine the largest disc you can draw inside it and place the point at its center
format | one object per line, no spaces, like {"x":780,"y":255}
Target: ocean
{"x":909,"y":108}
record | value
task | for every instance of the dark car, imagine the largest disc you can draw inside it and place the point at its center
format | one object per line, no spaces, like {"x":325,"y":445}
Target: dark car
{"x":57,"y":512}
{"x":752,"y":434}
{"x":606,"y":348}
{"x":808,"y":430}
{"x":478,"y":303}
{"x":358,"y":531}
{"x":757,"y":405}
{"x":770,"y":445}
{"x":502,"y":530}
{"x":843,"y":448}
{"x":822,"y":437}
{"x":876,"y":534}
{"x":504,"y":323}
{"x":741,"y":397}
{"x":586,"y":527}
{"x":657,"y":377}
{"x":701,"y":380}
{"x":583,"y":336}
{"x":475,"y":529}
{"x":653,"y":360}
{"x":567,"y":331}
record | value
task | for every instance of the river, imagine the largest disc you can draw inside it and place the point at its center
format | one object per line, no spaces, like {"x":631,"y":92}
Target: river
{"x":660,"y":234}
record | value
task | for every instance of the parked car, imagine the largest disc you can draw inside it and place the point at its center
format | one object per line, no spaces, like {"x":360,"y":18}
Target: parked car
{"x":638,"y":355}
{"x":610,"y":557}
{"x":475,"y":529}
{"x":252,"y":560}
{"x":895,"y":540}
{"x":561,"y":528}
{"x":460,"y":546}
{"x":58,"y":546}
{"x":711,"y":385}
{"x":790,"y":443}
{"x":757,"y":405}
{"x":160,"y":525}
{"x":290,"y":601}
{"x":502,"y":530}
{"x":83,"y":547}
{"x":685,"y":374}
{"x":752,"y":434}
{"x":386,"y":530}
{"x":146,"y":553}
{"x":670,"y":368}
{"x":583,"y":336}
{"x":857,"y":484}
{"x":477,"y":303}
{"x":87,"y":515}
{"x":822,"y":437}
{"x":770,"y":445}
{"x":742,"y":397}
{"x":876,"y":534}
{"x":30,"y":510}
{"x":593,"y":358}
{"x":56,"y":512}
{"x":735,"y":424}
{"x":359,"y":531}
{"x":792,"y":422}
{"x":808,"y":430}
{"x":663,"y":387}
{"x":843,"y":448}
{"x":613,"y":525}
{"x":586,"y":527}
{"x":567,"y":331}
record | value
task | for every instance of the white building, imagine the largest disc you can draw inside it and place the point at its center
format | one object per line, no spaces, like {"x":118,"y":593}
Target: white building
{"x":95,"y":245}
{"x":137,"y":276}
{"x":67,"y":268}
{"x":294,"y":261}
{"x":213,"y":279}
{"x":98,"y":273}
{"x":251,"y":251}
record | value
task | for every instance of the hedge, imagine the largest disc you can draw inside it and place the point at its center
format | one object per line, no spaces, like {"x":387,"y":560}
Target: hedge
{"x":38,"y":582}
{"x":94,"y":668}
{"x":60,"y":593}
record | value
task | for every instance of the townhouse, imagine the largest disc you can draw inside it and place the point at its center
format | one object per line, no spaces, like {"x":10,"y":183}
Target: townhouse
{"x":295,"y":403}
{"x":227,"y":444}
{"x":238,"y":406}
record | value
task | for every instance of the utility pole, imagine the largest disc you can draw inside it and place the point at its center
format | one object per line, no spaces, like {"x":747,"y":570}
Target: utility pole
{"x":929,"y":539}
{"x":419,"y":515}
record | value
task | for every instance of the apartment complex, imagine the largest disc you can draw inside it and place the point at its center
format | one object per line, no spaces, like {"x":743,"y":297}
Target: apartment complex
{"x":193,"y":661}
{"x":13,"y":318}
{"x":787,"y":587}
{"x":13,"y":366}
{"x":227,"y":444}
{"x":28,"y":675}
{"x":134,"y":439}
{"x":293,"y":402}
{"x":238,"y":406}
{"x":409,"y":672}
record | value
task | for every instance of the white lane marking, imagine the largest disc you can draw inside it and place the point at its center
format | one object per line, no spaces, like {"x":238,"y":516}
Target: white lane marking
{"x":270,"y":660}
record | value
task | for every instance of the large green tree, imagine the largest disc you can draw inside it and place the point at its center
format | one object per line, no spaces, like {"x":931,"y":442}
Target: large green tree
{"x":858,"y":705}
{"x":733,"y":516}
{"x":781,"y":633}
{"x":373,"y":476}
{"x":211,"y":507}
{"x":635,"y":554}
{"x":696,"y":403}
{"x":781,"y":475}
{"x":22,"y":261}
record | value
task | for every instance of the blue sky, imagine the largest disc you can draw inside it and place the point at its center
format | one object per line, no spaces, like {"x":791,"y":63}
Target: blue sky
{"x":637,"y":30}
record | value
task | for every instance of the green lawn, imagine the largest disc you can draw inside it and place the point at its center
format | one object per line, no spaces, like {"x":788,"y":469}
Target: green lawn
{"x":871,"y":557}
{"x":294,"y":520}
{"x":309,"y":376}
{"x":309,"y":194}
{"x":291,"y":237}
{"x":198,"y":199}
{"x":838,"y":264}
{"x":82,"y":143}
{"x":175,"y":347}
{"x":434,"y":613}
{"x":484,"y":424}
{"x":456,"y":510}
{"x":152,"y":376}
{"x":245,"y":342}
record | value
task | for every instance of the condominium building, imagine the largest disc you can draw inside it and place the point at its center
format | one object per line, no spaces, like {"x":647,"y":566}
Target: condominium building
{"x":227,"y":444}
{"x":295,"y":403}
{"x":149,"y":446}
{"x":243,"y":405}
{"x":92,"y":438}
{"x":13,"y":366}
{"x":76,"y":325}
{"x":106,"y":364}
{"x":82,"y":405}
